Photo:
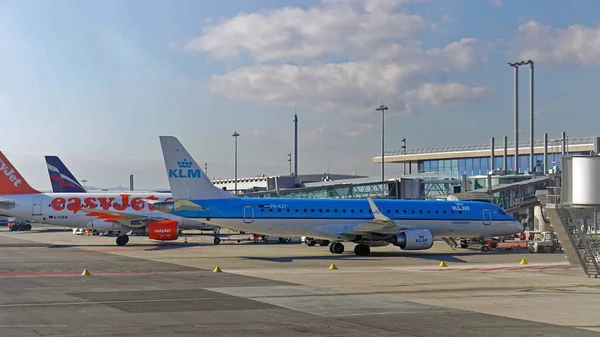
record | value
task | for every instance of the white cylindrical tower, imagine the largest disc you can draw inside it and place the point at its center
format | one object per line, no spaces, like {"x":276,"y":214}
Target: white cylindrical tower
{"x":586,"y":181}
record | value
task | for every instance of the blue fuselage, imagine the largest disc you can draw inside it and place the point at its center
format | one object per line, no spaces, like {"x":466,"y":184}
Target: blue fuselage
{"x":282,"y":216}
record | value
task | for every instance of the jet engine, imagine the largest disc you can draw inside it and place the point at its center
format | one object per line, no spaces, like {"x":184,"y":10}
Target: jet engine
{"x":414,"y":239}
{"x":163,"y":230}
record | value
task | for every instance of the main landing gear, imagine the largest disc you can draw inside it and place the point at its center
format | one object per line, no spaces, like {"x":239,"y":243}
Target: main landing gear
{"x":122,"y":240}
{"x":336,"y":248}
{"x":362,"y":250}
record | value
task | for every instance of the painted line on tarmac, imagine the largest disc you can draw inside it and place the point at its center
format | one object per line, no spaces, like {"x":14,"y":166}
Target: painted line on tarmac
{"x":8,"y":274}
{"x":504,"y":268}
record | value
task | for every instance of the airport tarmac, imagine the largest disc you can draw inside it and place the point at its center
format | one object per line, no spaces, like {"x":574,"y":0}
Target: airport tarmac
{"x":169,"y":289}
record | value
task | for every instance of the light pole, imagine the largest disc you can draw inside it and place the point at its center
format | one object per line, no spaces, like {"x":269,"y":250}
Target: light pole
{"x":235,"y":135}
{"x":531,"y":135}
{"x":84,"y":181}
{"x":290,"y":162}
{"x":403,"y":152}
{"x":382,"y":108}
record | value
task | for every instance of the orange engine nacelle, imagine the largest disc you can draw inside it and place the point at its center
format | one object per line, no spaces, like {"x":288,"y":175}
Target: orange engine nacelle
{"x":163,"y":230}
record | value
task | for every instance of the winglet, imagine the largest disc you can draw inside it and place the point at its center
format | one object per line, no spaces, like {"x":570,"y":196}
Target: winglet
{"x":376,"y":213}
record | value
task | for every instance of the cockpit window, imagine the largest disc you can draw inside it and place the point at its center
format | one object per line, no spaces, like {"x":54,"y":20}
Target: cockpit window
{"x":501,"y":211}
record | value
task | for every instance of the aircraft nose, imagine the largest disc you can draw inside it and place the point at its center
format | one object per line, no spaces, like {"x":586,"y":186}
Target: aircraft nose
{"x":518,"y":226}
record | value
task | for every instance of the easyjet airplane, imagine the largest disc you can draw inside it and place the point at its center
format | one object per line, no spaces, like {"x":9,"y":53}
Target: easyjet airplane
{"x":102,"y":210}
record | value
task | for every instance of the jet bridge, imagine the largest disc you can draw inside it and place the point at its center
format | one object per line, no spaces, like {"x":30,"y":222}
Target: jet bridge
{"x":513,"y":197}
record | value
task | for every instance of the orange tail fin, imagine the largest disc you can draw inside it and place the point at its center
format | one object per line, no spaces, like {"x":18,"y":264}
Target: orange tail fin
{"x":11,"y":181}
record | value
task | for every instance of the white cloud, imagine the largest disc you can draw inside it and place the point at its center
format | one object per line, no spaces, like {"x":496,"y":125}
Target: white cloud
{"x":497,"y":3}
{"x":290,"y":34}
{"x":574,"y":44}
{"x":447,"y":93}
{"x":342,"y":56}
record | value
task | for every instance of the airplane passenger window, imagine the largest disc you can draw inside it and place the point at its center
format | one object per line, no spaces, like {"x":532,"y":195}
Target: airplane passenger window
{"x":421,"y":211}
{"x":388,"y":211}
{"x":321,"y":210}
{"x":436,"y":211}
{"x":270,"y":210}
{"x":444,"y":211}
{"x":312,"y":210}
{"x":397,"y":212}
{"x":262,"y":209}
{"x":352,"y":210}
{"x":370,"y":211}
{"x":335,"y":210}
{"x":305,"y":210}
{"x":452,"y":212}
{"x":404,"y":211}
{"x":296,"y":210}
{"x":288,"y":209}
{"x":413,"y":211}
{"x":344,"y":210}
{"x":361,"y":210}
{"x":459,"y":212}
{"x":327,"y":210}
{"x":428,"y":212}
{"x":279,"y":210}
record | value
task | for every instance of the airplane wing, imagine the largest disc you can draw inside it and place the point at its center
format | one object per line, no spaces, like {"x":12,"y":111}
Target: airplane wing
{"x":380,"y":223}
{"x":132,"y":220}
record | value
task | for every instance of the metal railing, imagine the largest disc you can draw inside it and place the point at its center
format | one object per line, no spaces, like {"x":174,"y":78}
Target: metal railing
{"x":552,"y":145}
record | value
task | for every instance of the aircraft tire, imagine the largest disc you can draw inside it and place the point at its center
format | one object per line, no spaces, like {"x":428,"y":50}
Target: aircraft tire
{"x":122,"y":240}
{"x":216,"y":241}
{"x":336,"y":248}
{"x":362,"y":250}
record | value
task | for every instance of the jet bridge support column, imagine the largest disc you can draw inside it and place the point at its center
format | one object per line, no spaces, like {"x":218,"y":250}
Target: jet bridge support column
{"x":493,"y":147}
{"x":505,"y":156}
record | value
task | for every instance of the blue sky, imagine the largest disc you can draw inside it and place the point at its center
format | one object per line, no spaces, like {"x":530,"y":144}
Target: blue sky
{"x":96,"y":83}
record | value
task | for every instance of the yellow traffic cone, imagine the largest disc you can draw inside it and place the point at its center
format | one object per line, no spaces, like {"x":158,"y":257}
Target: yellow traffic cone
{"x":443,"y":264}
{"x":86,"y":272}
{"x":523,"y":261}
{"x":332,"y":267}
{"x":217,"y":270}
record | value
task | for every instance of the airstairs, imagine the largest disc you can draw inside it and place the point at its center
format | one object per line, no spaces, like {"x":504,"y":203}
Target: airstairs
{"x":580,"y":245}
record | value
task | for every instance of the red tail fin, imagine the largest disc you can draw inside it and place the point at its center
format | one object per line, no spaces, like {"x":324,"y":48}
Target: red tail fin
{"x":11,"y":181}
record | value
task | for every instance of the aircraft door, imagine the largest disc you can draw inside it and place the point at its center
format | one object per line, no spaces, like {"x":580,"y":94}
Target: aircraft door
{"x":487,"y":216}
{"x":248,"y":214}
{"x":37,"y":206}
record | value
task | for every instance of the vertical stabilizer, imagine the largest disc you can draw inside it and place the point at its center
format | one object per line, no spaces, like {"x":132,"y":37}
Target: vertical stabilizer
{"x":62,"y":180}
{"x":186,"y":179}
{"x":11,"y":181}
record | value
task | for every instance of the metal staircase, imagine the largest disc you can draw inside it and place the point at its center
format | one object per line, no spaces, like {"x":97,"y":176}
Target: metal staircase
{"x":579,"y":245}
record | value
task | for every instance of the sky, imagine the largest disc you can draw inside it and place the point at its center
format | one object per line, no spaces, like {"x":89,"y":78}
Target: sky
{"x":98,"y":81}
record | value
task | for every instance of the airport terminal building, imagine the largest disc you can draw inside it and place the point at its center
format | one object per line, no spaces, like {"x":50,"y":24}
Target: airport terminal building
{"x":451,"y":162}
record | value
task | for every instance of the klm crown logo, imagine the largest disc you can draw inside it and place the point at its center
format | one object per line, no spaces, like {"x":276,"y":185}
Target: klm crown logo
{"x":184,"y":163}
{"x":184,"y":171}
{"x":421,"y":238}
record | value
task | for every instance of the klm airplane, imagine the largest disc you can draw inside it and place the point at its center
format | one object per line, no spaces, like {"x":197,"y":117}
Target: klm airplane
{"x":408,"y":224}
